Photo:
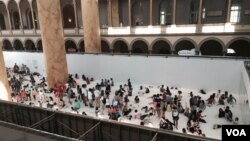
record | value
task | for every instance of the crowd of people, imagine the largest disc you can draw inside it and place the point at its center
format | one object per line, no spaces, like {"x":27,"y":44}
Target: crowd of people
{"x":119,"y":103}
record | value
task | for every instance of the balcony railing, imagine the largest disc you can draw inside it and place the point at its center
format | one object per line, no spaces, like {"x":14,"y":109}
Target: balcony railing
{"x":77,"y":126}
{"x":148,"y":30}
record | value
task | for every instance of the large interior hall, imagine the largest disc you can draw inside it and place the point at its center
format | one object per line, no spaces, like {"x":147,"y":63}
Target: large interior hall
{"x":123,"y":70}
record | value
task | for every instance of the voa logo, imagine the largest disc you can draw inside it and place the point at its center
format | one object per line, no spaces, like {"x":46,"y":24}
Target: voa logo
{"x":236,"y":132}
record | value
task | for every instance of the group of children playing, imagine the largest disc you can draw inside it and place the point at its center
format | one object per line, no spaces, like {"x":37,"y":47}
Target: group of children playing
{"x":125,"y":103}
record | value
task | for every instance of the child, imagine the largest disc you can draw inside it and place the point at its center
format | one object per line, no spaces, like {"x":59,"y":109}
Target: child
{"x":97,"y":111}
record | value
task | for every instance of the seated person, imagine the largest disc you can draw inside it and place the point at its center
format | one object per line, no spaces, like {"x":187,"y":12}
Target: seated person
{"x":141,"y":92}
{"x":137,"y":100}
{"x":126,"y":111}
{"x":121,"y":89}
{"x":137,"y":114}
{"x":83,"y":113}
{"x":162,"y":89}
{"x":221,"y":113}
{"x":221,"y":100}
{"x":210,"y":100}
{"x":231,"y":100}
{"x":166,"y":124}
{"x":145,"y":108}
{"x":61,"y":104}
{"x":217,"y":126}
{"x":76,"y":106}
{"x":51,"y":103}
{"x":236,"y":120}
{"x":147,"y":91}
{"x":228,"y":114}
{"x":111,"y":112}
{"x":202,"y":105}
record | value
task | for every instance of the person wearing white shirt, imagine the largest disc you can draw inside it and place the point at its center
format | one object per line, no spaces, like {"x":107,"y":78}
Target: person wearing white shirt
{"x":97,"y":97}
{"x":41,"y":95}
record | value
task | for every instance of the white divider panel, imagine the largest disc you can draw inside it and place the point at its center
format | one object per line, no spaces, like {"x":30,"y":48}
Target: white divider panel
{"x":194,"y":73}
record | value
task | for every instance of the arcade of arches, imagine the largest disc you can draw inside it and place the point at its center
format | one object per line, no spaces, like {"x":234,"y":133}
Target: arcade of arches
{"x":212,"y":47}
{"x":23,"y":15}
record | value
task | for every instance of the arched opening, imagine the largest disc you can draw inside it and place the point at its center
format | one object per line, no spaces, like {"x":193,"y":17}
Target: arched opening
{"x":241,"y":48}
{"x":105,"y":46}
{"x":211,"y":47}
{"x":194,"y":11}
{"x":68,"y":16}
{"x":35,"y":10}
{"x":103,"y":13}
{"x":161,"y":47}
{"x":7,"y":45}
{"x":40,"y":45}
{"x":140,"y":14}
{"x":18,"y":45}
{"x":26,"y":14}
{"x":184,"y":45}
{"x":3,"y":17}
{"x":29,"y":22}
{"x":16,"y":20}
{"x":14,"y":14}
{"x":120,"y":47}
{"x":165,"y":12}
{"x":81,"y":46}
{"x":139,"y":46}
{"x":2,"y":22}
{"x":70,"y":46}
{"x":29,"y":45}
{"x":79,"y":13}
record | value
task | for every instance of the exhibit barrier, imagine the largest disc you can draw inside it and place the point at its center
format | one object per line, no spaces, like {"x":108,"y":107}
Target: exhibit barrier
{"x":58,"y":125}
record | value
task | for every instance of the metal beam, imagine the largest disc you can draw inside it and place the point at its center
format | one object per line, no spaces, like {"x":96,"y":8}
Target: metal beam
{"x":90,"y":130}
{"x":155,"y":137}
{"x":67,"y":127}
{"x":42,"y":121}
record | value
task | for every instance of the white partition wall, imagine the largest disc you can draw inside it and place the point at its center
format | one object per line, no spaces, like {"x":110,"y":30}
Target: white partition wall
{"x":194,"y":73}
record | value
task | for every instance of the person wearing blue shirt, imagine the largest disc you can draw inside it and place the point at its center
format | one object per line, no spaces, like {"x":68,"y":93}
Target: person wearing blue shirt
{"x":76,"y":106}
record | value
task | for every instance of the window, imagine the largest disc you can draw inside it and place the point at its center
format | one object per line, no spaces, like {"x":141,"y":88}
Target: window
{"x":163,"y":18}
{"x":194,"y":7}
{"x":235,"y":14}
{"x":203,"y":13}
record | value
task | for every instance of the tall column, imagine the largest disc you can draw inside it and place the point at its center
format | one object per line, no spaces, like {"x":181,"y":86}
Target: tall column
{"x":129,"y":13}
{"x":228,"y":11}
{"x":4,"y":83}
{"x":91,"y":26}
{"x":150,"y":12}
{"x":200,"y":12}
{"x":10,"y":25}
{"x":20,"y":17}
{"x":76,"y":19}
{"x":53,"y":41}
{"x":174,"y":11}
{"x":109,"y":10}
